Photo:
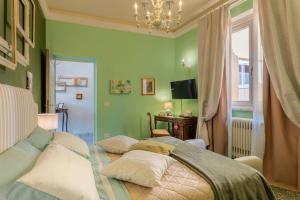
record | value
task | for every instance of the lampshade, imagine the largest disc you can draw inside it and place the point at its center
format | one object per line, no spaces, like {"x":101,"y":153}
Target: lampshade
{"x":168,"y":106}
{"x":48,"y":121}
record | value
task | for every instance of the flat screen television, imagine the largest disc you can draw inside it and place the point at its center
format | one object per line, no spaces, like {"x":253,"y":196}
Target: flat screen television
{"x":185,"y":89}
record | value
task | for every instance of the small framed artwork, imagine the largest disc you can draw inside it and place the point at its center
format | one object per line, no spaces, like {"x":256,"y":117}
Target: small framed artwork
{"x":74,"y":81}
{"x":148,"y":86}
{"x":29,"y":81}
{"x":61,"y":87}
{"x":79,"y":96}
{"x":120,"y":87}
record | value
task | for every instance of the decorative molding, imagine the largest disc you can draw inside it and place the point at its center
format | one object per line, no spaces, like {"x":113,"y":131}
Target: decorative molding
{"x":44,"y":8}
{"x":102,"y":22}
{"x":77,"y":18}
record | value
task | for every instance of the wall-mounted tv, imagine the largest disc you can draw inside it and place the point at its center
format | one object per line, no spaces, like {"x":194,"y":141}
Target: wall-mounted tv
{"x":185,"y":89}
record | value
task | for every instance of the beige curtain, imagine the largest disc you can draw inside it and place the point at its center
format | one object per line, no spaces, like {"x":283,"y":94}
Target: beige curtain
{"x":280,"y":32}
{"x":217,"y":126}
{"x":212,"y":42}
{"x":282,"y":150}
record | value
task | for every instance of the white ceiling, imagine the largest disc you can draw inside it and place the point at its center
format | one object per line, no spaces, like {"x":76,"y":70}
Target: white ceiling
{"x":118,"y":12}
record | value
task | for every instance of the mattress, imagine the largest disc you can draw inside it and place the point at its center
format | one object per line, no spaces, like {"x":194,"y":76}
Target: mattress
{"x":178,"y":183}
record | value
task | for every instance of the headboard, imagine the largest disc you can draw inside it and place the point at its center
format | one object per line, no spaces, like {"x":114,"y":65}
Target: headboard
{"x":18,"y":115}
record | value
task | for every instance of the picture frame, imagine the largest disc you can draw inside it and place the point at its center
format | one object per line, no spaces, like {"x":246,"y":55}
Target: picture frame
{"x":74,"y":81}
{"x":148,"y":86}
{"x":79,"y":96}
{"x":29,"y":81}
{"x":120,"y":87}
{"x":61,"y":87}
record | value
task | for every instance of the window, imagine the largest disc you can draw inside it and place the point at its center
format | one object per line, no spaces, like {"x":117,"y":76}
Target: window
{"x":17,"y":32}
{"x":241,"y":68}
{"x":7,"y":34}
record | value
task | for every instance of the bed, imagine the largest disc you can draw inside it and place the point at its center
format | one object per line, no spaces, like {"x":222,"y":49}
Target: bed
{"x":196,"y":174}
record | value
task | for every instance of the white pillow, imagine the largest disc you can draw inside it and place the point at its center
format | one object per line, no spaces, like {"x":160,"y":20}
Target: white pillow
{"x":140,"y":167}
{"x":118,"y":144}
{"x":63,"y":174}
{"x":72,"y":142}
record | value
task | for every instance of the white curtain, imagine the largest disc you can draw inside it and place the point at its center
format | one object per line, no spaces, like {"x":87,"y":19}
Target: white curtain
{"x":212,"y":41}
{"x":258,"y":135}
{"x":229,"y":62}
{"x":280,"y":32}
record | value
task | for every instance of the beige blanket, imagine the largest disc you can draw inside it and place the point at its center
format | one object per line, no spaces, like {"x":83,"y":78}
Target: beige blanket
{"x":178,"y":183}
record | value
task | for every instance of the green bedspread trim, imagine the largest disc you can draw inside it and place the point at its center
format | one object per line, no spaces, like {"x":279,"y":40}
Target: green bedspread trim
{"x":229,"y":179}
{"x":20,"y":191}
{"x":108,"y":188}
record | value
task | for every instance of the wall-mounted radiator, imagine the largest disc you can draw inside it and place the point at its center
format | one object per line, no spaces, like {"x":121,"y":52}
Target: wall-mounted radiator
{"x":241,"y":137}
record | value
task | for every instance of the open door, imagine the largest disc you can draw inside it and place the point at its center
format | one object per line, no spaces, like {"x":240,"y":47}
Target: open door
{"x":50,"y":82}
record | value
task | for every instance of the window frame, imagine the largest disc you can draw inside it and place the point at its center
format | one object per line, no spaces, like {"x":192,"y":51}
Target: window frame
{"x":23,"y":59}
{"x":239,"y":23}
{"x":7,"y":48}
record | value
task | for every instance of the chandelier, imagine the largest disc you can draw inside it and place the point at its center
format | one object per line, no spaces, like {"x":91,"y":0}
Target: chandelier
{"x":163,"y":15}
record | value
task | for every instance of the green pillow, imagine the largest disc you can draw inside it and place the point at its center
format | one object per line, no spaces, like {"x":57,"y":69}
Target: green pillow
{"x":40,"y":138}
{"x":16,"y":161}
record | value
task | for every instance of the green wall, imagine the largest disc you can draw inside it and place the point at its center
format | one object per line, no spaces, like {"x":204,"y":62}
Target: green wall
{"x":118,"y":55}
{"x":186,"y":46}
{"x":247,"y":5}
{"x":18,"y":77}
{"x":124,"y":56}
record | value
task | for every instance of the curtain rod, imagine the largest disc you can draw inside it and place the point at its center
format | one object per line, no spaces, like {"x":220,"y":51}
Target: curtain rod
{"x":210,"y":9}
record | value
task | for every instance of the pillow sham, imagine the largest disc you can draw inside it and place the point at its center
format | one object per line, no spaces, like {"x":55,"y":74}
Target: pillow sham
{"x":72,"y":143}
{"x":153,"y":146}
{"x":16,"y":161}
{"x":140,"y":167}
{"x":118,"y":144}
{"x":40,"y":138}
{"x":63,"y":174}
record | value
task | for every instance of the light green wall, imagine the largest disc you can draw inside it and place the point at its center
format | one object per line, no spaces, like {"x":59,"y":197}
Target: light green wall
{"x":247,"y":5}
{"x":119,"y":55}
{"x":186,"y":47}
{"x":18,"y":77}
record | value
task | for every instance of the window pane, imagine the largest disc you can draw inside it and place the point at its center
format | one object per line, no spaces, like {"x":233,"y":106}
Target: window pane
{"x":241,"y":65}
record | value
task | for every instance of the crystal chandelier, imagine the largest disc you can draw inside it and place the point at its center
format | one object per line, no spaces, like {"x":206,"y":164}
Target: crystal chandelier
{"x":163,"y":15}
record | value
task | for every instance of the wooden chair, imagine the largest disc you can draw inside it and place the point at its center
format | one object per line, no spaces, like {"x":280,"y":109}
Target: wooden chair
{"x":156,"y":132}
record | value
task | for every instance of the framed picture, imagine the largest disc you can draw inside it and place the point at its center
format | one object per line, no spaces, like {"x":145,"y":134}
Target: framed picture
{"x":120,"y":87}
{"x":61,"y":86}
{"x":29,"y":81}
{"x":74,"y":81}
{"x":79,"y":96}
{"x":148,"y":86}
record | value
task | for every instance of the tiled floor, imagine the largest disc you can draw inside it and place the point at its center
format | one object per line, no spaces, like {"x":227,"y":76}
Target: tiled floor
{"x":87,"y":137}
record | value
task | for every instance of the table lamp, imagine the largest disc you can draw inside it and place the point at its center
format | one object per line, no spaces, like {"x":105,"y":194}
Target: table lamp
{"x":168,"y":107}
{"x":48,"y":121}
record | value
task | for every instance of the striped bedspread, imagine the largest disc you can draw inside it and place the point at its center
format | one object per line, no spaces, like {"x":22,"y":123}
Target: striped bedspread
{"x":108,"y":189}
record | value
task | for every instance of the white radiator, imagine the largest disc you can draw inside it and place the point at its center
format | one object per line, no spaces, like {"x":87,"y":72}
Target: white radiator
{"x":241,"y":137}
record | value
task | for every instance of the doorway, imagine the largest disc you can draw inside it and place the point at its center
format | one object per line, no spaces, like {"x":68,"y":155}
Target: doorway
{"x":75,"y":98}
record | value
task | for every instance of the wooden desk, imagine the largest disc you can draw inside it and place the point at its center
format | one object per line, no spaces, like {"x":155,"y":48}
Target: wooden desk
{"x":183,"y":128}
